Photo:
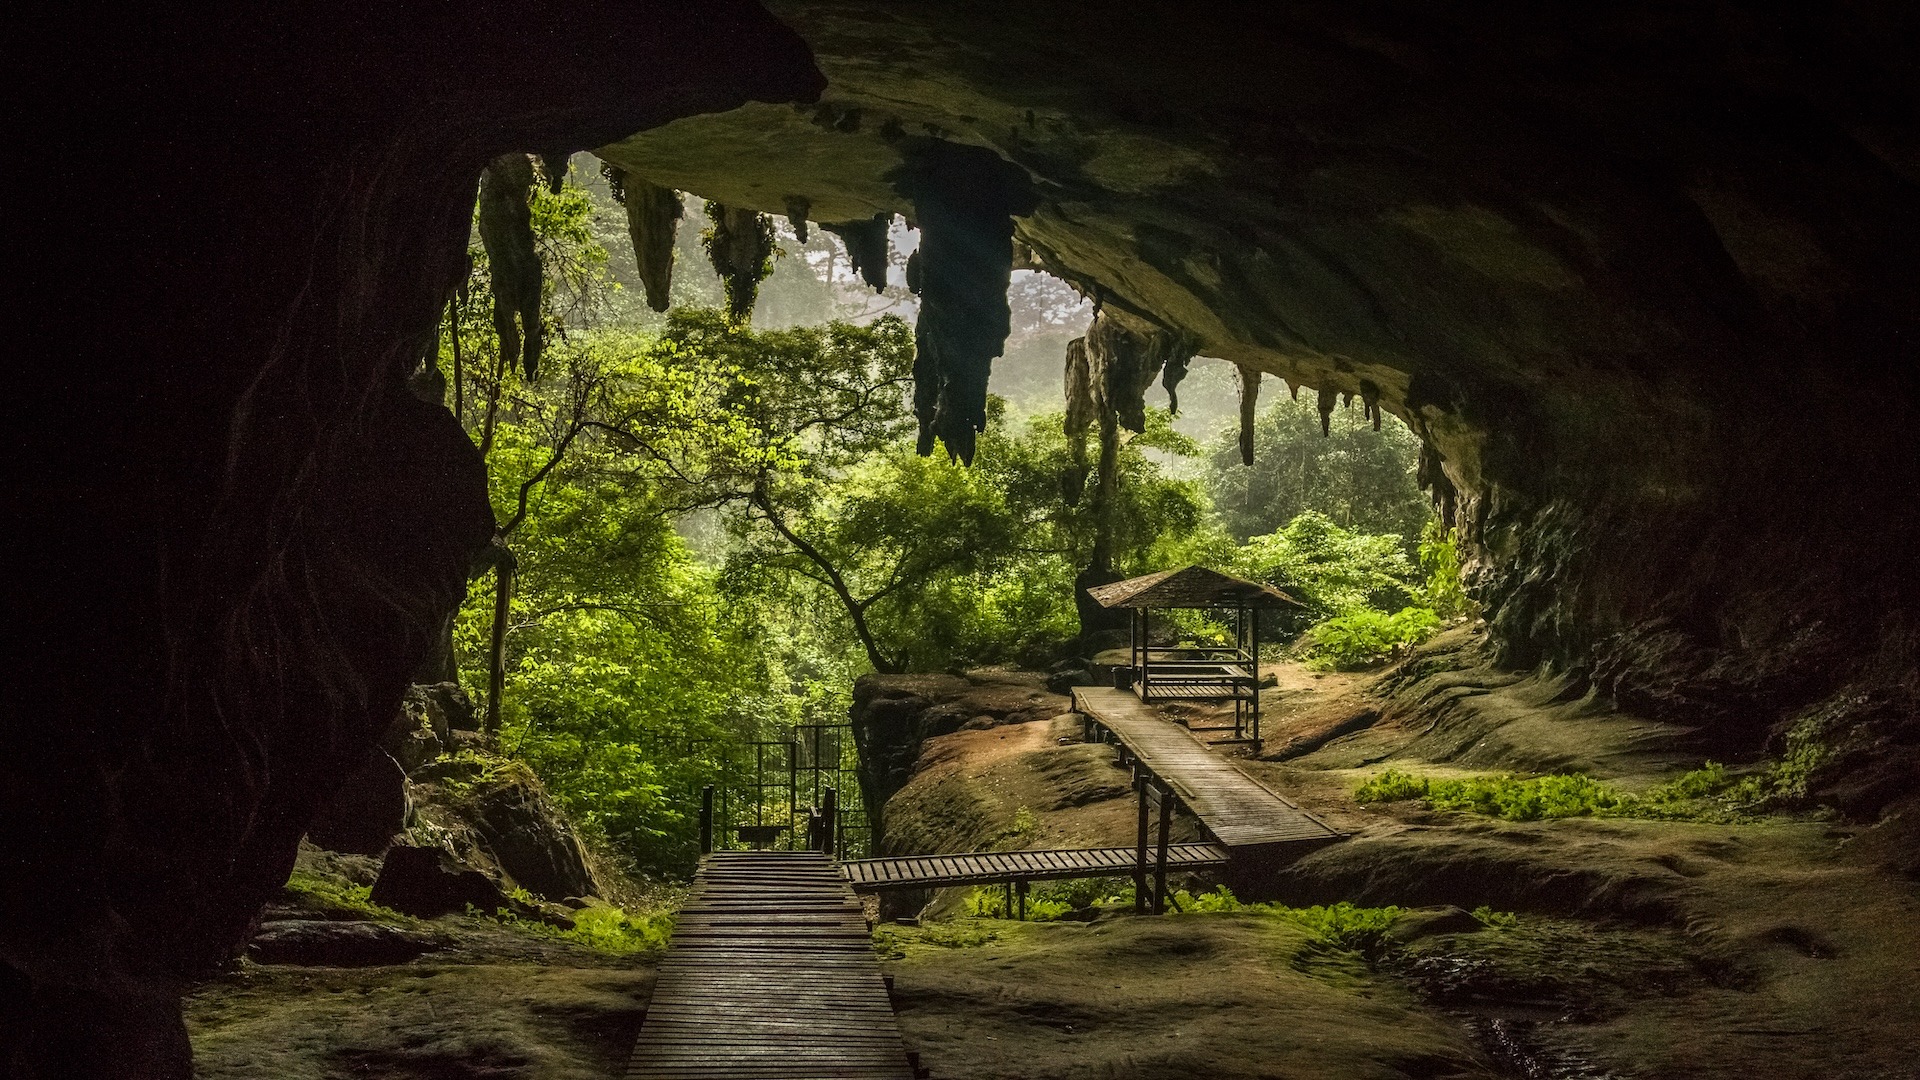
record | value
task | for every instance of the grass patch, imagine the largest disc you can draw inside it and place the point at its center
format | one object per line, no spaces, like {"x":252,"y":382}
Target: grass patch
{"x":1341,"y":926}
{"x":334,"y":899}
{"x":891,"y":942}
{"x":604,"y":929}
{"x":1705,"y":794}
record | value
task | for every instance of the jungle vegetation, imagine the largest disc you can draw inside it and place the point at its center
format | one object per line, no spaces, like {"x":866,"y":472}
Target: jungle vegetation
{"x":718,"y":523}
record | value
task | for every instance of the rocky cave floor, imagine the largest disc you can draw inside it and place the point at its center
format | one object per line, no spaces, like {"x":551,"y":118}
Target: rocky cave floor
{"x":1777,"y":947}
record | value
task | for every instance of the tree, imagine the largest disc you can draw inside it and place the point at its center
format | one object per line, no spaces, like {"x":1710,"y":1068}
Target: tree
{"x":1360,"y":478}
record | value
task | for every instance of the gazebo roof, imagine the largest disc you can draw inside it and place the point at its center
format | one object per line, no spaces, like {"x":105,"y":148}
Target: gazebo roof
{"x":1190,"y":587}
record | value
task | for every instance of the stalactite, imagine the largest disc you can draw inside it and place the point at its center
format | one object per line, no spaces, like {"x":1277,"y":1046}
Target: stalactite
{"x":506,"y":231}
{"x":1370,"y":399}
{"x":1432,"y":477}
{"x":963,"y":198}
{"x":553,"y":166}
{"x":740,"y":247}
{"x":1249,"y":403}
{"x":867,"y":246}
{"x":1328,"y":399}
{"x":1081,"y":412}
{"x":653,"y":221}
{"x":1171,"y":378}
{"x":1293,"y":389}
{"x":1123,"y":356}
{"x":1347,"y":401}
{"x":798,"y":206}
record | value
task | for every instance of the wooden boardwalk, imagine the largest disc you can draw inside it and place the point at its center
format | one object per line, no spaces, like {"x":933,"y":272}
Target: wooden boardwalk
{"x":1238,"y":811}
{"x":770,"y":974}
{"x":988,"y":867}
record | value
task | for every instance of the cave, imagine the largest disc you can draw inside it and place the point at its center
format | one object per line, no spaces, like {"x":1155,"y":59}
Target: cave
{"x":1644,"y":279}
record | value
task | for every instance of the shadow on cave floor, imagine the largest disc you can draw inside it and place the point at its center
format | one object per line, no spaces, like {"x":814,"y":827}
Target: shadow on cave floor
{"x":429,"y":1020}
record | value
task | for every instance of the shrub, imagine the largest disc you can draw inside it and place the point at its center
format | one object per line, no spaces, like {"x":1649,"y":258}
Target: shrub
{"x":604,"y":929}
{"x":1440,"y":559}
{"x":1705,"y":794}
{"x":1391,"y":786}
{"x":1342,"y":925}
{"x":1495,"y":920}
{"x":1364,"y":639}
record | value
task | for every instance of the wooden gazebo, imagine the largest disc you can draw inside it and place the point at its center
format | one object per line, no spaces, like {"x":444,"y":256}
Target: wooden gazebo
{"x":1199,"y":672}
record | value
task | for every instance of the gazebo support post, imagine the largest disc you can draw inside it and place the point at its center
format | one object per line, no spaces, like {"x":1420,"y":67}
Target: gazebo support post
{"x":1254,"y":654}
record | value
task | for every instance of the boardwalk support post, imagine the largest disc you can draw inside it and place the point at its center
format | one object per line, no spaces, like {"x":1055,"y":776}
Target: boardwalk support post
{"x":1020,"y":890}
{"x":1160,"y":855}
{"x":706,"y":820}
{"x":1140,"y":850}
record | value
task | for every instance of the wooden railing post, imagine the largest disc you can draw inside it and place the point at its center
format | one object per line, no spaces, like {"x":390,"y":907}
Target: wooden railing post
{"x":829,"y":821}
{"x":706,"y":820}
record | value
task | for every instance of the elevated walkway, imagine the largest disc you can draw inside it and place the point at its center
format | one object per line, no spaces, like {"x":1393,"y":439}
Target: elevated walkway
{"x":995,"y":867}
{"x":770,"y":974}
{"x":1246,"y":818}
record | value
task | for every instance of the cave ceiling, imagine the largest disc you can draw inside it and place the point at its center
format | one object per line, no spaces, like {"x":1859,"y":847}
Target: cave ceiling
{"x":1630,"y":271}
{"x":1450,"y":206}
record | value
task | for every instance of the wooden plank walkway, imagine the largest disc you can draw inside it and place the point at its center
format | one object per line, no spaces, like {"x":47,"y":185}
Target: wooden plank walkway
{"x":770,"y":974}
{"x":988,"y":867}
{"x":1234,"y":808}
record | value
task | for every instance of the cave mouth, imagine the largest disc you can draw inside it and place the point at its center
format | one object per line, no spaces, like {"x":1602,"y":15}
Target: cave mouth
{"x":1628,"y":279}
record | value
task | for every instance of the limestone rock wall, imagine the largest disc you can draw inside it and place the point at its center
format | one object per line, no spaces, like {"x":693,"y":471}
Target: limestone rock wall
{"x":237,"y":532}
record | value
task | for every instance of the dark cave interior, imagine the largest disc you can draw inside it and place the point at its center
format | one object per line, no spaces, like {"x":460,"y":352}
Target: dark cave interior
{"x":1588,"y":255}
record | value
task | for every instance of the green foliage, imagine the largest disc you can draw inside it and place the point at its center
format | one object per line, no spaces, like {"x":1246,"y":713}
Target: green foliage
{"x":329,"y":898}
{"x":1393,"y":785}
{"x":1332,"y":570}
{"x":1365,"y":638}
{"x":605,"y":929}
{"x":1495,"y":920}
{"x":1363,"y":479}
{"x":1705,"y":794}
{"x":1439,"y":555}
{"x":1342,"y":925}
{"x":1053,"y":900}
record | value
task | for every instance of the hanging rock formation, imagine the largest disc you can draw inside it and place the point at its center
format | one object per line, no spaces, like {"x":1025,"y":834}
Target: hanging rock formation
{"x":867,"y":247}
{"x":964,"y":199}
{"x":1170,"y":380}
{"x":506,"y":231}
{"x":797,"y":210}
{"x":653,"y":223}
{"x":740,"y":246}
{"x":1249,"y":379}
{"x":1080,"y":415}
{"x":1124,"y":354}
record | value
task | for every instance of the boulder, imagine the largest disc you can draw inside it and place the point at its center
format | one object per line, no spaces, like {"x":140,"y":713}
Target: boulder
{"x":329,"y":943}
{"x":427,"y":882}
{"x":1063,"y":682}
{"x":530,"y":839}
{"x":447,"y":707}
{"x":367,"y":811}
{"x":429,"y":723}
